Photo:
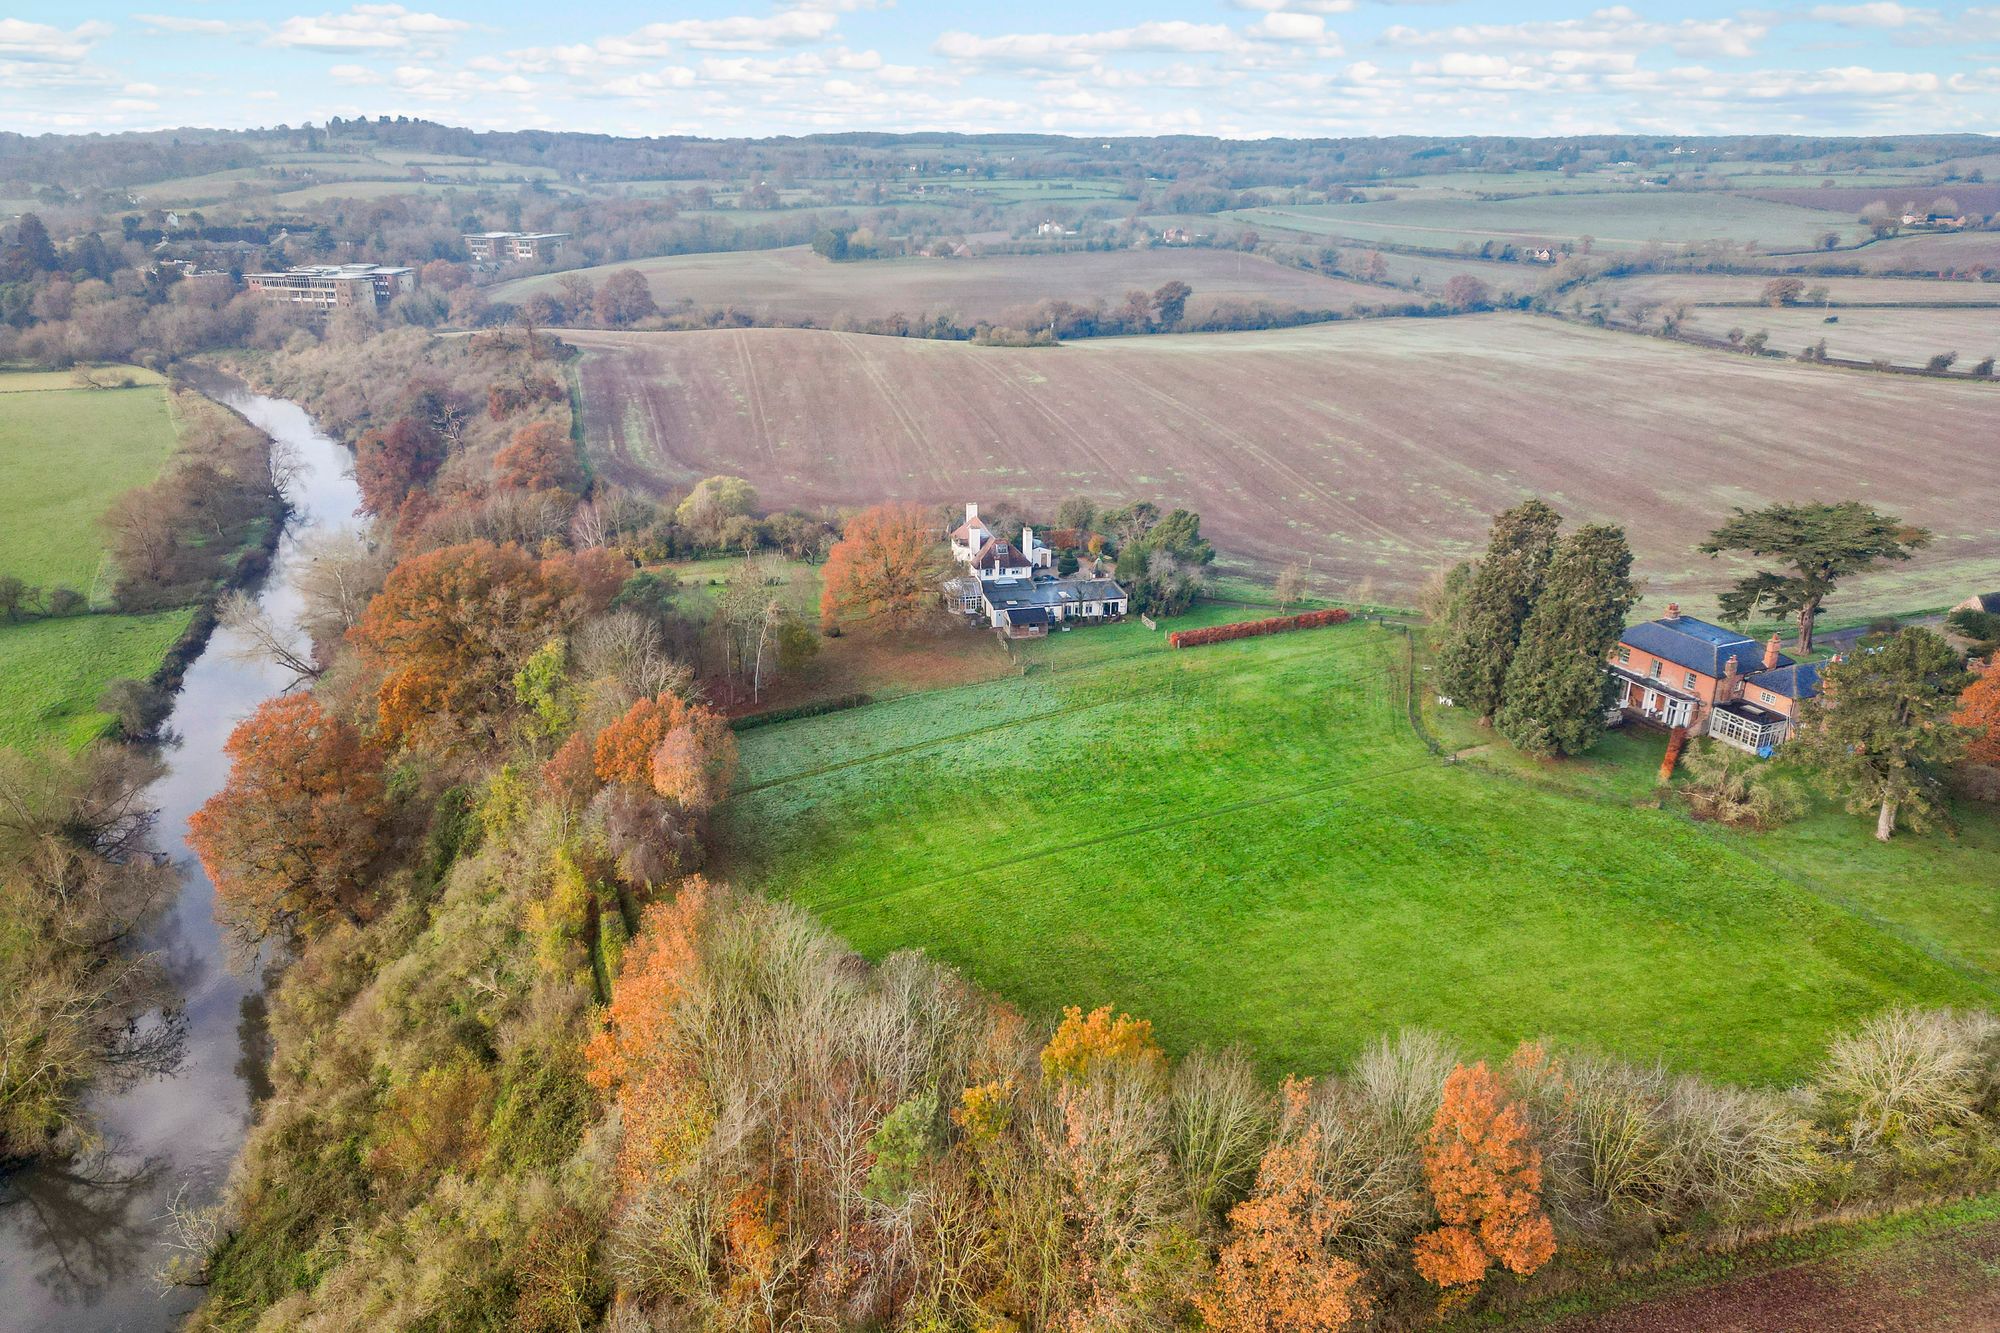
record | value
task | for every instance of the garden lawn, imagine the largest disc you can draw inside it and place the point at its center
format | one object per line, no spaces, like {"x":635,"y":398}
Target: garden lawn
{"x":65,"y":455}
{"x":1250,"y":843}
{"x":52,"y":671}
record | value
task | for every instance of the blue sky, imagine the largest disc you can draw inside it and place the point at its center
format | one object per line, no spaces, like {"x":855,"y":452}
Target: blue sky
{"x":1228,"y":67}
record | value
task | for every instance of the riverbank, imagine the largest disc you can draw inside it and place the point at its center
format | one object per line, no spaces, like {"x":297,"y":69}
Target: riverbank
{"x":81,"y":1239}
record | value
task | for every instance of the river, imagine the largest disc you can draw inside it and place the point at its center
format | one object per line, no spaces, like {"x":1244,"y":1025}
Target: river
{"x":79,"y":1242}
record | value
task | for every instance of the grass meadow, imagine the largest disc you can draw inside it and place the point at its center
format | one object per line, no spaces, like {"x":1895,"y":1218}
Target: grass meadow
{"x":1251,"y":843}
{"x":52,"y":671}
{"x":65,"y":455}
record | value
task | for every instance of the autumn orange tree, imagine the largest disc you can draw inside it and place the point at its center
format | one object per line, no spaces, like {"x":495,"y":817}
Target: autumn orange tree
{"x":886,"y":566}
{"x":1485,"y":1179}
{"x":1979,"y":708}
{"x":624,"y":750}
{"x":451,"y":627}
{"x":639,"y":1054}
{"x":1083,"y":1042}
{"x":1275,"y":1274}
{"x":695,"y":762}
{"x":289,"y":839}
{"x":540,"y":457}
{"x":389,"y":464}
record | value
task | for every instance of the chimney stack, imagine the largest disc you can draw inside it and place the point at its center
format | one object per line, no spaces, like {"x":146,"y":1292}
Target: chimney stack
{"x":1771,"y":653}
{"x":971,"y":514}
{"x":1673,"y":610}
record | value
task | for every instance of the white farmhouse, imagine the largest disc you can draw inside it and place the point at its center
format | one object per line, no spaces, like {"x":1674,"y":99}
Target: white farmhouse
{"x":1015,"y":589}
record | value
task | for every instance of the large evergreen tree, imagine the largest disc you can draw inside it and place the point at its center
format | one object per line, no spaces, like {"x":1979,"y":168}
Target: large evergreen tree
{"x":1485,"y":626}
{"x":1880,"y":734}
{"x":1818,"y":545}
{"x":1557,"y":689}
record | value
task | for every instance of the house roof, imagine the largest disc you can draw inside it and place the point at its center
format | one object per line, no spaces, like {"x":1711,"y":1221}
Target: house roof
{"x":964,"y":531}
{"x":1794,"y":680}
{"x":1000,"y":554}
{"x":1006,"y":594}
{"x":1697,"y":645}
{"x":1984,"y":601}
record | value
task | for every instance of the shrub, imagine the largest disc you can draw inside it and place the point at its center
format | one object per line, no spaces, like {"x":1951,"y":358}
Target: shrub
{"x":1910,"y":1077}
{"x":1251,"y":629}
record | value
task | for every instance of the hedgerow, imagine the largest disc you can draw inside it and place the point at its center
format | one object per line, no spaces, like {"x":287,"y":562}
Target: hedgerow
{"x":1252,"y":629}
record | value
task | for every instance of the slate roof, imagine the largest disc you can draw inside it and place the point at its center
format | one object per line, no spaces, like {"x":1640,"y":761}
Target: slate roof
{"x":998,"y":554}
{"x":1006,"y":594}
{"x":1697,"y":645}
{"x":1796,"y":680}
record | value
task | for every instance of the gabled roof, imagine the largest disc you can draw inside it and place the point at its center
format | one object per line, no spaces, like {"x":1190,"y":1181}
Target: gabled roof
{"x":1794,"y":680}
{"x":964,"y":531}
{"x":1697,"y":645}
{"x":1000,"y":554}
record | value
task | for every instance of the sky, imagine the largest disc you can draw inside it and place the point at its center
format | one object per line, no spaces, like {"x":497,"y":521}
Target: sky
{"x":1236,"y":68}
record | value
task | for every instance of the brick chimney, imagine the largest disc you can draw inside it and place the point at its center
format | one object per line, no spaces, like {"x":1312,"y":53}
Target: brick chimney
{"x":1673,"y":611}
{"x":1732,"y":680}
{"x":1771,"y":653}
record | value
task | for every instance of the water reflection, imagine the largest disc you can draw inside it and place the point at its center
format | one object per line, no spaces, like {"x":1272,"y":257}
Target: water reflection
{"x":85,"y":1223}
{"x":80,"y":1241}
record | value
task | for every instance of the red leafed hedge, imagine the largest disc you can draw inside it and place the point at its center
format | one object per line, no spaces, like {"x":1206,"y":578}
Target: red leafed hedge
{"x":1250,"y":629}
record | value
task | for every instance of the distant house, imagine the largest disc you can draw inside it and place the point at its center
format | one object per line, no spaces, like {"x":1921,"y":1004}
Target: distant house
{"x":322,"y":288}
{"x":1015,"y":589}
{"x":1988,"y":602}
{"x":1176,"y":236}
{"x":1678,"y":671}
{"x":1934,"y":221}
{"x":1053,"y":228}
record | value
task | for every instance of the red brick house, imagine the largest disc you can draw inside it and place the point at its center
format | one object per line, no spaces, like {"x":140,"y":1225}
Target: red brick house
{"x":1678,"y":671}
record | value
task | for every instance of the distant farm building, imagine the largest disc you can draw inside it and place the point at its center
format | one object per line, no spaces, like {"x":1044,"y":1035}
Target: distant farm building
{"x":514,"y":247}
{"x":1015,"y":589}
{"x":1678,"y":671}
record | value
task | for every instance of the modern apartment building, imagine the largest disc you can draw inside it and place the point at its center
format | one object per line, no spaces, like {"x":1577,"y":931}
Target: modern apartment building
{"x":511,"y":247}
{"x":327,"y":287}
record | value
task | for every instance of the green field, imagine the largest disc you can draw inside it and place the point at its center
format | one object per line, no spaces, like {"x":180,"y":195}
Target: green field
{"x":65,"y":455}
{"x":1617,"y":221}
{"x":52,"y":671}
{"x":1251,"y":843}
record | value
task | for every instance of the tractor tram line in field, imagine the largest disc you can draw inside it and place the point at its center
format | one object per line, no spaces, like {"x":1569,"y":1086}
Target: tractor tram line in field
{"x":1125,"y":696}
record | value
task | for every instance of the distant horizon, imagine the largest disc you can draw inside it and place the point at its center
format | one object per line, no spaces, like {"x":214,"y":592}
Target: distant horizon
{"x":797,"y":136}
{"x":1233,"y":69}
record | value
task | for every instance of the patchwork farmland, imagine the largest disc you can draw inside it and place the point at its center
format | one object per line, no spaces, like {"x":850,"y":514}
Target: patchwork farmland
{"x":1250,"y":843}
{"x":795,"y":285}
{"x":1378,"y":449}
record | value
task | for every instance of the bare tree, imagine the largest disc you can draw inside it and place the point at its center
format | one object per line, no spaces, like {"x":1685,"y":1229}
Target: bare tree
{"x":337,"y":574}
{"x":263,"y":639}
{"x":1290,"y":588}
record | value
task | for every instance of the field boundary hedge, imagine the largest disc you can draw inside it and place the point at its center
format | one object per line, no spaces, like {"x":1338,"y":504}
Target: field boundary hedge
{"x":819,"y":709}
{"x":1252,"y":629}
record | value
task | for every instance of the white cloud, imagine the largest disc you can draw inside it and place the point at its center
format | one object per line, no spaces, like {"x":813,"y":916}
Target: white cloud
{"x":183,"y":23}
{"x":1047,"y":48}
{"x":1882,"y":14}
{"x":365,"y":28}
{"x":1617,"y":28}
{"x":42,"y":43}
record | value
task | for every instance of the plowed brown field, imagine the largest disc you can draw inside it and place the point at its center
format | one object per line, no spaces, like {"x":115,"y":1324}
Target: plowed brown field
{"x":1377,"y":449}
